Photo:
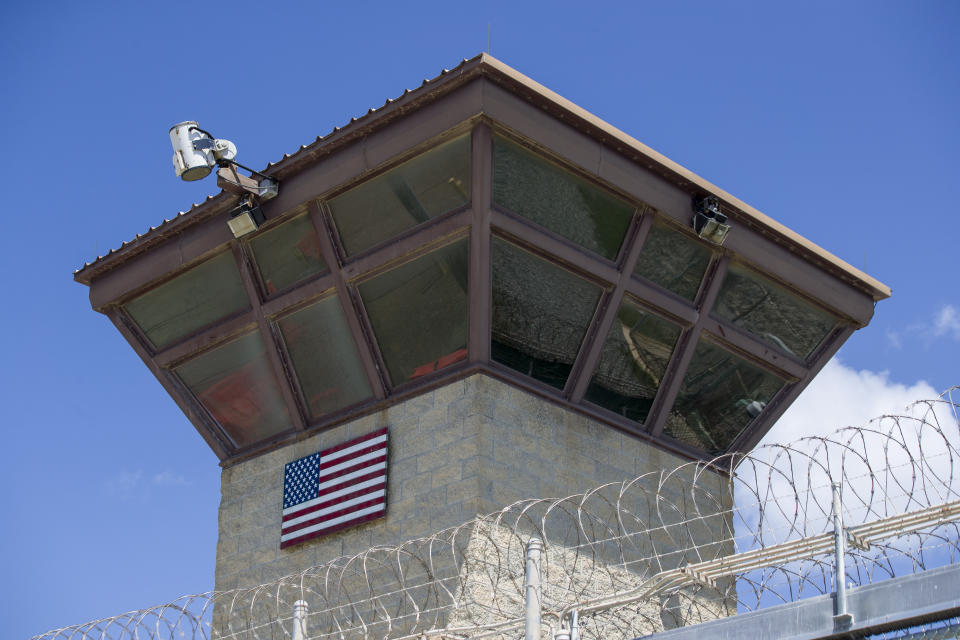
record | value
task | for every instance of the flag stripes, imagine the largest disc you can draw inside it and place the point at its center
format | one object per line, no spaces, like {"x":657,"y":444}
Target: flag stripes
{"x":335,"y":488}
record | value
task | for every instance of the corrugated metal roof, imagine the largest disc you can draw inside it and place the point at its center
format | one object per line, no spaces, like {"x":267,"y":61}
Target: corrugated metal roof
{"x":278,"y":168}
{"x":429,"y":89}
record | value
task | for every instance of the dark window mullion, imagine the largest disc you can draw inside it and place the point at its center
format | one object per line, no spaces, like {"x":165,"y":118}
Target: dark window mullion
{"x":665,"y":303}
{"x":683,"y":354}
{"x":216,"y":334}
{"x":479,"y":278}
{"x":756,"y":351}
{"x":366,"y":345}
{"x":136,"y":333}
{"x":423,"y":235}
{"x":751,"y":436}
{"x":552,"y":249}
{"x":297,"y":296}
{"x":592,"y":348}
{"x":302,"y":385}
{"x":274,"y":355}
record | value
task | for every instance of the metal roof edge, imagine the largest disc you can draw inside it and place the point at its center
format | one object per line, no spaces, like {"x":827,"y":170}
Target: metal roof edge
{"x":431,"y":89}
{"x":877,"y":289}
{"x":410,"y":99}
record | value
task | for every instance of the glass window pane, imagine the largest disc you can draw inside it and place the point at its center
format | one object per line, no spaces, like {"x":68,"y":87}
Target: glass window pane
{"x":204,"y":294}
{"x":720,"y":396}
{"x":419,"y":312}
{"x":418,"y":190}
{"x":633,"y":362}
{"x":288,"y":254}
{"x":767,"y":310}
{"x":325,"y":357}
{"x":673,"y":261}
{"x":558,"y":200}
{"x":236,"y":384}
{"x":540,"y":314}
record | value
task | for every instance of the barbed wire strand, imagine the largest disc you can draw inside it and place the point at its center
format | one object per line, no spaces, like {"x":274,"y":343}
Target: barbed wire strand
{"x":664,"y":549}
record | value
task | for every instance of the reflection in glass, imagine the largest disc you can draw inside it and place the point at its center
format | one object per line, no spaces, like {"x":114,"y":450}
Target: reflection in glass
{"x":770,"y":312}
{"x":673,"y":261}
{"x":419,"y":312}
{"x":633,"y":361}
{"x":287,"y":254}
{"x":540,"y":314}
{"x":325,"y":357}
{"x":568,"y":205}
{"x":720,"y":396}
{"x":208,"y":292}
{"x":236,"y":385}
{"x":418,"y":190}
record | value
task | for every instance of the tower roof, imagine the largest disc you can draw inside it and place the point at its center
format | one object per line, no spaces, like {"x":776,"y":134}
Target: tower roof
{"x":481,"y":222}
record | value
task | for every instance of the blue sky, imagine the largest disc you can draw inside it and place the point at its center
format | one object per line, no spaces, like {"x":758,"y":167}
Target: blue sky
{"x":837,"y":119}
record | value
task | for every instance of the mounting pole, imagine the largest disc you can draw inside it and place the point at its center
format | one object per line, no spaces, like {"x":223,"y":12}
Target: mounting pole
{"x":532,"y":590}
{"x":842,"y":618}
{"x":300,"y":608}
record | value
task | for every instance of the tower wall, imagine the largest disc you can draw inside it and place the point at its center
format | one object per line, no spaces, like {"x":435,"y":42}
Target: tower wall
{"x":467,"y":448}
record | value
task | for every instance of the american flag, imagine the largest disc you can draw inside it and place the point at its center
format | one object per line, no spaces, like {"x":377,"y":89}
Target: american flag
{"x":334,"y":489}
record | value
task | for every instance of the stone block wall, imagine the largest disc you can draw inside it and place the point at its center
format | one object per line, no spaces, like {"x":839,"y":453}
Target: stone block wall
{"x":470,"y":447}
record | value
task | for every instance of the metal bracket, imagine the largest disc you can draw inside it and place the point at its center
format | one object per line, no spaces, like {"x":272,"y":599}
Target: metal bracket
{"x":699,"y":577}
{"x":843,"y":621}
{"x":857,"y":542}
{"x":231,"y":180}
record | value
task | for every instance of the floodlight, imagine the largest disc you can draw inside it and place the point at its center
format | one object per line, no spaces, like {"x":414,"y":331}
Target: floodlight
{"x":245,"y":219}
{"x":709,"y":223}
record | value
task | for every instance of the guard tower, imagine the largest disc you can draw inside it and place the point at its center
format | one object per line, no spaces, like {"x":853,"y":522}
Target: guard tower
{"x":526,"y":300}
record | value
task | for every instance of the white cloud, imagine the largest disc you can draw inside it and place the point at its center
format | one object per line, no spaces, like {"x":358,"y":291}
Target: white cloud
{"x":167,"y":478}
{"x":898,"y":456}
{"x":881,"y":475}
{"x":840,"y":396}
{"x":123,"y":484}
{"x":894,"y":339}
{"x":947,"y":322}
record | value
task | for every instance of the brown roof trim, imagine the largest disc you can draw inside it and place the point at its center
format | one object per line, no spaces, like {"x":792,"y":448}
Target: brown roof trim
{"x":410,"y":100}
{"x":498,"y":72}
{"x":676,"y":173}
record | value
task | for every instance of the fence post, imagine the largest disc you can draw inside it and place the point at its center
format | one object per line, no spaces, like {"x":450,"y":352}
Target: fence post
{"x":841,"y":617}
{"x":532,"y":591}
{"x":300,"y":620}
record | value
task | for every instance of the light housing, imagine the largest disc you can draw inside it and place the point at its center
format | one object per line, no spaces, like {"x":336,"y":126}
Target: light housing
{"x":709,"y":223}
{"x":246,"y":219}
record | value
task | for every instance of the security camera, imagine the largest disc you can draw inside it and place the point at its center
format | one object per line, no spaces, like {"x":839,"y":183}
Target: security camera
{"x":196,"y":152}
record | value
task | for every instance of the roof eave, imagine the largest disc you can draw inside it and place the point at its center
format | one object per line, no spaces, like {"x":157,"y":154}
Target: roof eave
{"x":433,"y":89}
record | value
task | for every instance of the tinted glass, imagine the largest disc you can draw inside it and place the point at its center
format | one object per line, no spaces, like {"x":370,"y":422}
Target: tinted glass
{"x":206,"y":293}
{"x":568,"y":205}
{"x":236,"y":384}
{"x":540,"y":314}
{"x":419,"y":189}
{"x":770,"y":312}
{"x":287,"y":254}
{"x":633,"y":361}
{"x":720,"y":396}
{"x":325,"y":357}
{"x":673,"y":261}
{"x":419,"y":312}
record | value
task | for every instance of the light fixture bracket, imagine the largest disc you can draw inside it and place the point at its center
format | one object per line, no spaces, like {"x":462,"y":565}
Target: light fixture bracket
{"x":232,"y":181}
